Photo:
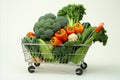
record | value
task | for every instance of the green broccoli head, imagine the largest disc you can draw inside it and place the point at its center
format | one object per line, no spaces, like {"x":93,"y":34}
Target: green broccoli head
{"x":42,"y":36}
{"x":63,"y":21}
{"x":47,"y":25}
{"x":31,"y":40}
{"x":41,"y":17}
{"x":49,"y":15}
{"x":48,"y":33}
{"x":56,"y":26}
{"x":51,"y":21}
{"x":36,"y":26}
{"x":39,"y":24}
{"x":39,"y":32}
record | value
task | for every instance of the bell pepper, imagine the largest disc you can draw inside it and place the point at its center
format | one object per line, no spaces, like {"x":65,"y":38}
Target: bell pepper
{"x":30,"y":34}
{"x":78,"y":28}
{"x":55,"y":41}
{"x":61,"y":35}
{"x":70,"y":29}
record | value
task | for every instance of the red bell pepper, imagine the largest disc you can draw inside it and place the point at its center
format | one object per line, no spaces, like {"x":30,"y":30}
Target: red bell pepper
{"x":61,"y":35}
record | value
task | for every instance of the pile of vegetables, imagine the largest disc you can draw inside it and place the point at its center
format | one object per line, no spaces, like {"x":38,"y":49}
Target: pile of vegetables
{"x":59,"y":38}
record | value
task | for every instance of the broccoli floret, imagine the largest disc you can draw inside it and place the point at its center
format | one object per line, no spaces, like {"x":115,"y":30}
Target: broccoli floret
{"x":56,"y":51}
{"x":51,"y":21}
{"x":48,"y":33}
{"x":33,"y":48}
{"x":41,"y":30}
{"x":36,"y":26}
{"x":37,"y":33}
{"x":62,"y":21}
{"x":47,"y":25}
{"x":39,"y":24}
{"x":49,"y":15}
{"x":56,"y":26}
{"x":42,"y":37}
{"x":42,"y":17}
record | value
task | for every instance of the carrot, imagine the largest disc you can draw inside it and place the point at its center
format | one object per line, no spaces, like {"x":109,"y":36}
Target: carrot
{"x":55,"y":41}
{"x":70,"y":29}
{"x":78,"y":28}
{"x":61,"y":35}
{"x":98,"y":28}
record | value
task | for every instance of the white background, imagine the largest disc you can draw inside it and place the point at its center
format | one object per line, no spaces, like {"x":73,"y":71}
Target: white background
{"x":17,"y":17}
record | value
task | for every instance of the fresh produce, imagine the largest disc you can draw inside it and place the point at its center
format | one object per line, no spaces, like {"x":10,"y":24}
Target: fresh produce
{"x":33,"y":49}
{"x":61,"y":35}
{"x":55,"y":41}
{"x":63,"y":53}
{"x":30,"y":34}
{"x":85,"y":35}
{"x":48,"y":24}
{"x":45,"y":50}
{"x":72,"y":37}
{"x":97,"y":29}
{"x":70,"y":30}
{"x":63,"y":38}
{"x":78,"y":28}
{"x":73,"y":12}
{"x":33,"y":40}
{"x":95,"y":36}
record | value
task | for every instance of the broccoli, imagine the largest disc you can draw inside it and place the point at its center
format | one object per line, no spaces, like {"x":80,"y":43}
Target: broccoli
{"x":39,"y":32}
{"x":49,"y":15}
{"x":39,"y":24}
{"x":48,"y":33}
{"x":56,"y":26}
{"x":42,"y":36}
{"x":41,"y":17}
{"x":48,"y":24}
{"x":51,"y":21}
{"x":32,"y":48}
{"x":62,"y":20}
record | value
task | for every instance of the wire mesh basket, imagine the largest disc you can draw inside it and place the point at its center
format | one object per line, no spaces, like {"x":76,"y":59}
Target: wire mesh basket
{"x":39,"y":56}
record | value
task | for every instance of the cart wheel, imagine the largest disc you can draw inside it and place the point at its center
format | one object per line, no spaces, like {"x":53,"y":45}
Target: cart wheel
{"x":31,"y":69}
{"x":79,"y":71}
{"x":83,"y":65}
{"x":37,"y":64}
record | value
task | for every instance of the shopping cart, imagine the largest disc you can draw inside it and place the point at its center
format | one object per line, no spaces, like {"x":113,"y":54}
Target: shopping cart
{"x":35,"y":58}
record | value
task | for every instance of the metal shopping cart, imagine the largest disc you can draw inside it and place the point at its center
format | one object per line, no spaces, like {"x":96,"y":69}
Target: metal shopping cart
{"x":35,"y":58}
